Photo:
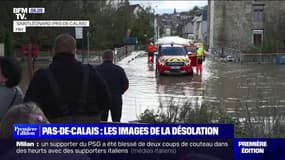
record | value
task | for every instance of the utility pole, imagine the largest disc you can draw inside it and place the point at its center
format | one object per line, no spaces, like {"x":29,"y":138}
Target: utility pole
{"x":88,"y":47}
{"x":154,"y":25}
{"x":82,"y":47}
{"x":79,"y":35}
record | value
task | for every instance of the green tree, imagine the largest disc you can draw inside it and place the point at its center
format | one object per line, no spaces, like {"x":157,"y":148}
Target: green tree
{"x":9,"y":44}
{"x":196,"y":11}
{"x":108,"y":26}
{"x":143,"y":25}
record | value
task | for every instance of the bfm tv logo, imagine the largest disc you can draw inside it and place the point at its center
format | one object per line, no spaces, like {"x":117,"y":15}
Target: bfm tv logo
{"x":21,"y":12}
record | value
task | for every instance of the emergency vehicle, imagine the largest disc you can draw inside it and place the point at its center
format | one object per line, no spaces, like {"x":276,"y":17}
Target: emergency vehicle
{"x":173,"y":59}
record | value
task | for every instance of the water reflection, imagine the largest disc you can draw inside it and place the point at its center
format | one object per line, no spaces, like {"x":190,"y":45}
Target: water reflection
{"x":251,"y":95}
{"x":180,"y":88}
{"x":150,"y":67}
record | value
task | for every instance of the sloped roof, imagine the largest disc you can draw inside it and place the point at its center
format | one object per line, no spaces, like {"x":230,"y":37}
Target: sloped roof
{"x":130,"y":8}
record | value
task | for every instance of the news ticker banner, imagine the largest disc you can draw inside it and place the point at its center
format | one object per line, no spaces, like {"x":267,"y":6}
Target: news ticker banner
{"x":123,"y":130}
{"x":125,"y":141}
{"x":151,"y":141}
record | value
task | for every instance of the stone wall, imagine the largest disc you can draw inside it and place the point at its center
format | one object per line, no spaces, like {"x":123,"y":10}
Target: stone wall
{"x":232,"y":24}
{"x":232,"y":27}
{"x":274,"y":26}
{"x":276,"y":58}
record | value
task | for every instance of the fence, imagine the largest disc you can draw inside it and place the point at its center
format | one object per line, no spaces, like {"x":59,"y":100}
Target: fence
{"x":247,"y":57}
{"x":226,"y":53}
{"x":95,"y":57}
{"x":258,"y":57}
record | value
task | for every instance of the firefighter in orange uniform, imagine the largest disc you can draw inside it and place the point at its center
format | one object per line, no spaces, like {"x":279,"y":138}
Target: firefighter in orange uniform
{"x":151,"y":49}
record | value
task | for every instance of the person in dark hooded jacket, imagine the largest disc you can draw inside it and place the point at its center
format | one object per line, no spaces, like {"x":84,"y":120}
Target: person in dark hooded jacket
{"x":117,"y":82}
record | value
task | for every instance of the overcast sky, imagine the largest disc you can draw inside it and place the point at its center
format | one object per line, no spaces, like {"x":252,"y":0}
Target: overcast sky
{"x":167,"y":6}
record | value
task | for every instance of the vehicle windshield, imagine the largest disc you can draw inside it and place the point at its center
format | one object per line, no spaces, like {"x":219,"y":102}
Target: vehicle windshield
{"x":173,"y":51}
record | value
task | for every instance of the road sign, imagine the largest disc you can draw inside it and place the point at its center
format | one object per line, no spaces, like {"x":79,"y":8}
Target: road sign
{"x":79,"y":33}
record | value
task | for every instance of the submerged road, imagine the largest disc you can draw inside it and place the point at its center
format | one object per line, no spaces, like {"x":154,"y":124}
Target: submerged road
{"x":149,"y":92}
{"x":232,"y":87}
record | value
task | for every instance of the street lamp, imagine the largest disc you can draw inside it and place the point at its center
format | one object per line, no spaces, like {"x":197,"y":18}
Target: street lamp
{"x":89,"y":34}
{"x":88,"y":47}
{"x":154,"y":24}
{"x":145,"y":39}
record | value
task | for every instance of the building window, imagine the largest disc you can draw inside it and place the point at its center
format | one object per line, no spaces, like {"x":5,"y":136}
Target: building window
{"x":257,"y":37}
{"x":258,"y":1}
{"x":258,"y":10}
{"x":258,"y":15}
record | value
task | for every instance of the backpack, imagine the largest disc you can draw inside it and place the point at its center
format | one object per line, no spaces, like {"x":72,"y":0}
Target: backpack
{"x":64,"y":109}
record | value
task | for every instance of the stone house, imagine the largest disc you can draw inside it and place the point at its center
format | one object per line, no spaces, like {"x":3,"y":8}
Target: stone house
{"x":246,"y":25}
{"x":187,"y":30}
{"x":198,"y":27}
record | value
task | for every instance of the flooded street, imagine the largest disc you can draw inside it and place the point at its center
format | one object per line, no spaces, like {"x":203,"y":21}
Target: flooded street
{"x":248,"y":92}
{"x":252,"y":94}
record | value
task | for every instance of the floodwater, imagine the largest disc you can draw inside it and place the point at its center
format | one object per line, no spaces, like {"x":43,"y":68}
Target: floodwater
{"x":147,"y":91}
{"x":253,"y":95}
